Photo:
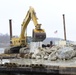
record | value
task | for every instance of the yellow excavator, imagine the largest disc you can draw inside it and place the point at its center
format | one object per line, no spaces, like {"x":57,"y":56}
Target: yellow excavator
{"x":38,"y":34}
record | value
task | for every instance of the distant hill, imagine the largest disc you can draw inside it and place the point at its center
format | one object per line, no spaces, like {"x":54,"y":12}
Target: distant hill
{"x":47,"y":40}
{"x":5,"y":40}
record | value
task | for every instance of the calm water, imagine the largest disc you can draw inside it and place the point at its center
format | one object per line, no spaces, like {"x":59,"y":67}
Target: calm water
{"x":1,"y":50}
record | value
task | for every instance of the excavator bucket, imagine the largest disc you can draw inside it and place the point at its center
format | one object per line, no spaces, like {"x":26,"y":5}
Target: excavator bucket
{"x":38,"y":35}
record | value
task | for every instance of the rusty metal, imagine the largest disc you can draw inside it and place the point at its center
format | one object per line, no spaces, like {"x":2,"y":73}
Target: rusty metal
{"x":10,"y":26}
{"x":64,"y":27}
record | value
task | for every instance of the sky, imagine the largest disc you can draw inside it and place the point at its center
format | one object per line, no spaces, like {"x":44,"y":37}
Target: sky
{"x":48,"y":12}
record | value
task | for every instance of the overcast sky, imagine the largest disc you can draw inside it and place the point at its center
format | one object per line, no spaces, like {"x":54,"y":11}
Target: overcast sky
{"x":49,"y":13}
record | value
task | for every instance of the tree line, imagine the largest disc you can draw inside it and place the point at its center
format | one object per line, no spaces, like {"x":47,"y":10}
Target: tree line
{"x":4,"y":38}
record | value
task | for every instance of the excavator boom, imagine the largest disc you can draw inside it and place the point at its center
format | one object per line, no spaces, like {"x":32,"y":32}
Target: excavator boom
{"x":38,"y":33}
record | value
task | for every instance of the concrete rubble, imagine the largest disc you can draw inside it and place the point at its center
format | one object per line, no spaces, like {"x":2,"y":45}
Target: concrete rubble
{"x":55,"y":52}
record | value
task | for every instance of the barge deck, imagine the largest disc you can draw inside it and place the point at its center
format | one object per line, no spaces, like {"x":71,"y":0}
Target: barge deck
{"x":37,"y":69}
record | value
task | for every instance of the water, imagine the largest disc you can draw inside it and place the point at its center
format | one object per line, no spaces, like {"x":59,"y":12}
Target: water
{"x":1,"y":50}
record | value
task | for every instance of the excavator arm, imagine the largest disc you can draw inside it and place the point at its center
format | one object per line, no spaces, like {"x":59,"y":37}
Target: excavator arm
{"x":38,"y":33}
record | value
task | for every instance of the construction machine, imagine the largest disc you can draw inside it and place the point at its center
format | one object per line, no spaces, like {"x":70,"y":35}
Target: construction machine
{"x":38,"y":34}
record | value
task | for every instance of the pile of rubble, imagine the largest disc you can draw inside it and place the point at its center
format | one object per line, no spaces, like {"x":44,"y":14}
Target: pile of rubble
{"x":55,"y":52}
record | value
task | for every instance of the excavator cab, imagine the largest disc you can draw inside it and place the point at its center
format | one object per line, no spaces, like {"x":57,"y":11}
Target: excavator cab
{"x":38,"y":35}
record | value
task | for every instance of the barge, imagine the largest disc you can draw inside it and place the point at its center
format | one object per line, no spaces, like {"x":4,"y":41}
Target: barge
{"x":13,"y":68}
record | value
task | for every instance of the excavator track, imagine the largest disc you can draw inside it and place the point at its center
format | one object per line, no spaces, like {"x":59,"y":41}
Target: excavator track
{"x":12,"y":50}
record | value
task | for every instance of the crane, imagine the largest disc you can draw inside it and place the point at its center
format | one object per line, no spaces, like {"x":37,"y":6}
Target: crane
{"x":38,"y":34}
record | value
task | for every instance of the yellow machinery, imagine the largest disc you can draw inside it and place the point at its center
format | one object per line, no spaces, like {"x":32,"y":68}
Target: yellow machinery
{"x":37,"y":35}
